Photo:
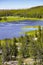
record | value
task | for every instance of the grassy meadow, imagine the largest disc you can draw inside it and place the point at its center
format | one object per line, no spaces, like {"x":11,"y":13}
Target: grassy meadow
{"x":17,"y":18}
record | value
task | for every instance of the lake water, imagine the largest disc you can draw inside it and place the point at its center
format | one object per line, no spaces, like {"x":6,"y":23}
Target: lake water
{"x":15,"y":29}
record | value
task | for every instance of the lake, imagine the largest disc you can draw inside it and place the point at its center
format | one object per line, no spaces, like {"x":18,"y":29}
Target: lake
{"x":15,"y":29}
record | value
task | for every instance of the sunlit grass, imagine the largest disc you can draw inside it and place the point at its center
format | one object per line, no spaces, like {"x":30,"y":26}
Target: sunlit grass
{"x":17,"y":18}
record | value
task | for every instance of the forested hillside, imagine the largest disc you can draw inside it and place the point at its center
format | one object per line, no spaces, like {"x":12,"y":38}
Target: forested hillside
{"x":35,"y":12}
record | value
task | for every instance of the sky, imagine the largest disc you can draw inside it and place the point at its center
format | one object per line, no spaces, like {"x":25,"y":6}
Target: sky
{"x":19,"y":4}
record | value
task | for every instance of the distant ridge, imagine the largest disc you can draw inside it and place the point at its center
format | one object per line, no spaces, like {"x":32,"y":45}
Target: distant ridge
{"x":30,"y":12}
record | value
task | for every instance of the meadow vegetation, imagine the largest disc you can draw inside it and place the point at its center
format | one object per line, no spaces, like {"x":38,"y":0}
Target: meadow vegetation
{"x":35,"y":13}
{"x":24,"y":47}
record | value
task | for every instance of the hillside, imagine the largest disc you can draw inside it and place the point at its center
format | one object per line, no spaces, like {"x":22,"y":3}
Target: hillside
{"x":34,"y":12}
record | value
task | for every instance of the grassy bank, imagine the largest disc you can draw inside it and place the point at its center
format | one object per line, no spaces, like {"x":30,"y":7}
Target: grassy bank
{"x":32,"y":32}
{"x":30,"y":26}
{"x":16,"y":18}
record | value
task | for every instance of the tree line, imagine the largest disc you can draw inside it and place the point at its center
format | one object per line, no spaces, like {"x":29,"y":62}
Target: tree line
{"x":35,"y":12}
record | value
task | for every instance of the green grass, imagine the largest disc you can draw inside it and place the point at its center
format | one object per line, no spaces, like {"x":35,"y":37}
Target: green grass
{"x":0,"y":59}
{"x":30,"y":26}
{"x":32,"y":32}
{"x":16,"y":18}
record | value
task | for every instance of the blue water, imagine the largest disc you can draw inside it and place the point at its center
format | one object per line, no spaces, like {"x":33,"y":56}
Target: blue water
{"x":15,"y":29}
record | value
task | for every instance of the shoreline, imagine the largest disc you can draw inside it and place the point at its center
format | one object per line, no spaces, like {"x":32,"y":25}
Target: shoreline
{"x":16,"y":19}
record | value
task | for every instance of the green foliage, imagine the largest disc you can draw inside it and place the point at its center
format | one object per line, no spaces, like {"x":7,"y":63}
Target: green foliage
{"x":35,"y":12}
{"x":0,"y":18}
{"x":6,"y":51}
{"x":20,"y":61}
{"x":5,"y":18}
{"x":24,"y":46}
{"x":0,"y":59}
{"x":9,"y":50}
{"x":15,"y":50}
{"x":29,"y":48}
